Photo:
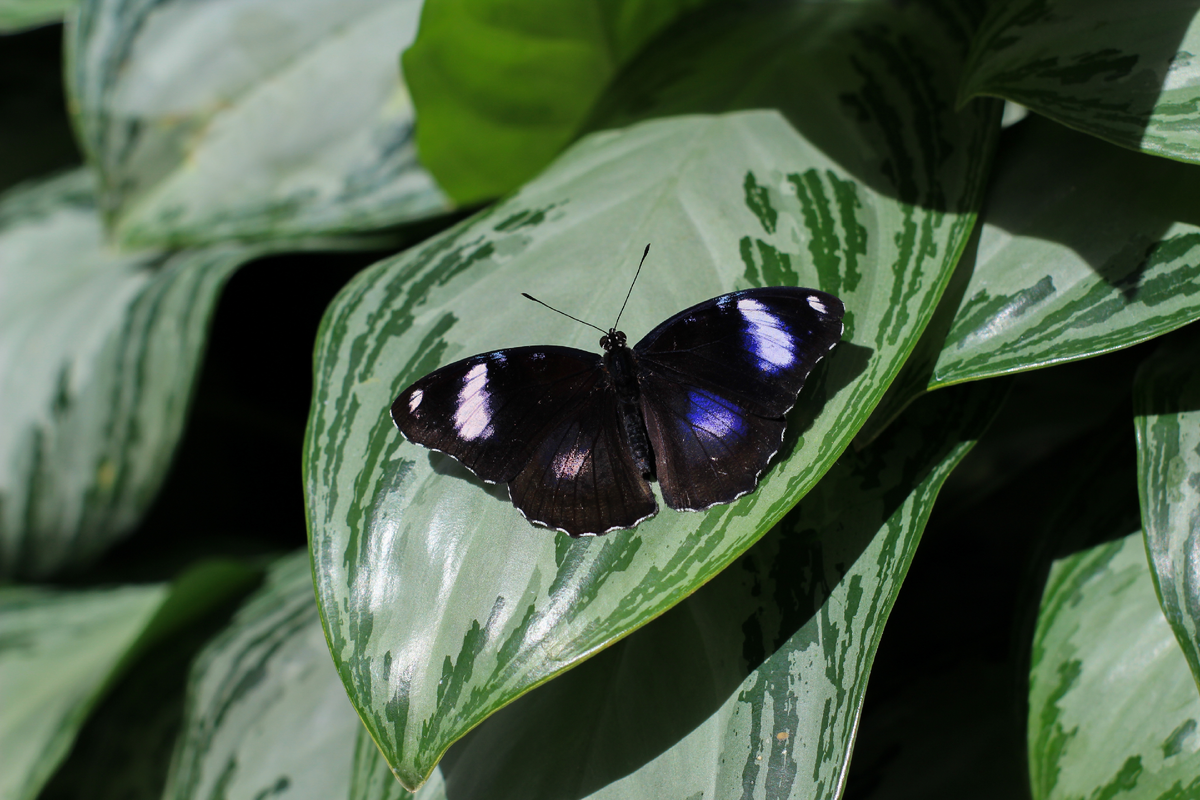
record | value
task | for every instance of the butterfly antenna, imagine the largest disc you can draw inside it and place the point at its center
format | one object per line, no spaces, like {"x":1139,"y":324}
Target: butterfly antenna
{"x":565,"y":314}
{"x":630,"y":292}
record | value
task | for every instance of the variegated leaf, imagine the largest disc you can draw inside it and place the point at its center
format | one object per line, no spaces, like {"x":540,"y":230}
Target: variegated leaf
{"x":441,"y":603}
{"x":1126,"y":72}
{"x":267,"y":715}
{"x":1167,"y":408}
{"x":98,"y":354}
{"x":1086,"y":248}
{"x":58,"y":652}
{"x":1112,"y":703}
{"x":284,"y":119}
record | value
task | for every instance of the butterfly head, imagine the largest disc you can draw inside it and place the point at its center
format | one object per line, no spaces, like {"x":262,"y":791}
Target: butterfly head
{"x":613,"y":340}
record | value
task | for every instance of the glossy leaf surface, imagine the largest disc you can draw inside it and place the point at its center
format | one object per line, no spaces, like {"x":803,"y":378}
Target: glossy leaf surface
{"x":58,"y":652}
{"x":751,"y":687}
{"x":266,"y":712}
{"x":1126,"y":72}
{"x":1112,"y":703}
{"x":98,"y":355}
{"x":440,"y":603}
{"x":504,"y":86}
{"x":1167,"y":420}
{"x":250,"y":120}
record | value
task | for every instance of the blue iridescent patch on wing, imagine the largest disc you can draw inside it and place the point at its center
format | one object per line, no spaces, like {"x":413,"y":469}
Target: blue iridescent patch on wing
{"x":715,"y":416}
{"x":766,"y":336}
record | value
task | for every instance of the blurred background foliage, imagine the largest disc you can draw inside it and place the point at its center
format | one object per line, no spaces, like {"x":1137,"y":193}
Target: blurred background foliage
{"x":231,"y":229}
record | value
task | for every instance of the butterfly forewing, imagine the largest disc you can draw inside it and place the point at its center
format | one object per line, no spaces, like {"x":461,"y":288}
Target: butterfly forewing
{"x":717,"y":379}
{"x":488,"y":411}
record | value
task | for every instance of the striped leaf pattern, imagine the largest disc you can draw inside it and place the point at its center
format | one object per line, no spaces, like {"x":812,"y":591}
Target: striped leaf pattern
{"x":58,"y":652}
{"x":1126,"y":72}
{"x":98,"y":355}
{"x":284,"y":119}
{"x":266,"y":713}
{"x":1112,"y":703}
{"x":1085,"y":248}
{"x":1167,"y":420}
{"x":440,"y":603}
{"x":751,"y":687}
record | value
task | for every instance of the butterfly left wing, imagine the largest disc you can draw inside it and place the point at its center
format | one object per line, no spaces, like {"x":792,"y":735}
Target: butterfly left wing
{"x":544,"y":421}
{"x":716,"y":381}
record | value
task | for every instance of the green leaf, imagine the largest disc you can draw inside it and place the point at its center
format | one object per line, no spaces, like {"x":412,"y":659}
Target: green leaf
{"x":1086,"y":248}
{"x":753,"y":685}
{"x":1126,"y":72}
{"x":1112,"y":703}
{"x":441,"y":603}
{"x":247,"y":120}
{"x":98,"y":354}
{"x":18,"y":15}
{"x":58,"y":652}
{"x":503,"y":85}
{"x":266,"y":713}
{"x":1167,"y":420}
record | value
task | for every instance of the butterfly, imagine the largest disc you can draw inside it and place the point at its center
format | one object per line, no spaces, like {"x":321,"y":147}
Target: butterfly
{"x":698,"y":405}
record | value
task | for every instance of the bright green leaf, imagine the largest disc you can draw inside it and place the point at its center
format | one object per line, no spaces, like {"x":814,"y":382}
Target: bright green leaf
{"x":266,"y":712}
{"x":1113,"y":708}
{"x":1167,"y":408}
{"x":58,"y":652}
{"x":503,"y":85}
{"x":17,"y":15}
{"x":98,"y":354}
{"x":1126,"y":72}
{"x":248,"y":120}
{"x":753,"y":685}
{"x":441,"y":603}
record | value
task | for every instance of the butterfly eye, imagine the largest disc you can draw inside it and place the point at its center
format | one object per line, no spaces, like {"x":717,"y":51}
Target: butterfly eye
{"x":604,"y":341}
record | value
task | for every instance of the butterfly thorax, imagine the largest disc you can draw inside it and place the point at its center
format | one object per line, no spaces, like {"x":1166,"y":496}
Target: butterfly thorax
{"x":621,"y":366}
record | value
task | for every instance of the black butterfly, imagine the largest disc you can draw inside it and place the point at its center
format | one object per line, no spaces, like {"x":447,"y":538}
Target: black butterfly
{"x":697,"y":404}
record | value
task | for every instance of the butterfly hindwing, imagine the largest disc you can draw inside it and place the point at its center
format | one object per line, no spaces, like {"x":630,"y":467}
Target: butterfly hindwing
{"x":717,"y":379}
{"x":488,"y":410}
{"x":581,"y":477}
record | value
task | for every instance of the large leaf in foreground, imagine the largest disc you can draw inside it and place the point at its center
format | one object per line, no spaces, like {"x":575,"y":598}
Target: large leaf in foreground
{"x":503,"y":87}
{"x":1126,"y":72}
{"x":98,"y":355}
{"x":1112,"y":704}
{"x":441,"y":603}
{"x":266,"y":711}
{"x":752,"y":686}
{"x":281,"y":119}
{"x":1167,"y":420}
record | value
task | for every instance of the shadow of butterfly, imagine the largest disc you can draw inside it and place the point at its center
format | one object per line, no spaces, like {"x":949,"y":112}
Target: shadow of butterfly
{"x":697,"y":405}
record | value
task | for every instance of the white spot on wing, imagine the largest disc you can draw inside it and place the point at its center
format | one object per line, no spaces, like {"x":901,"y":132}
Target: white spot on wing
{"x":765,"y":336}
{"x":817,"y":305}
{"x":474,"y":412}
{"x":415,"y":401}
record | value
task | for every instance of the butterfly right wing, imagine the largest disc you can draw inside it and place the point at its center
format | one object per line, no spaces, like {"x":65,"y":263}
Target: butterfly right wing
{"x":489,"y":410}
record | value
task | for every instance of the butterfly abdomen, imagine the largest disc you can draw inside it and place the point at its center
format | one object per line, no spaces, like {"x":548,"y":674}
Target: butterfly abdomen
{"x":622,"y":371}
